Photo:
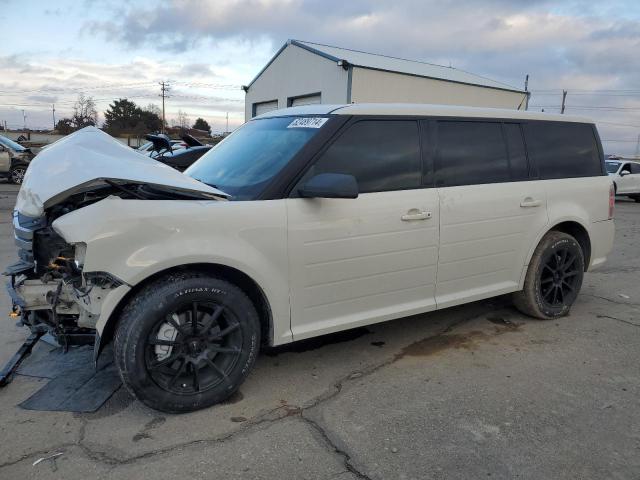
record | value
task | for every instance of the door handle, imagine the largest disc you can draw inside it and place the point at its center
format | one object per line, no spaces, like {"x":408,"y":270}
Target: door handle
{"x":415,"y":214}
{"x":530,"y":202}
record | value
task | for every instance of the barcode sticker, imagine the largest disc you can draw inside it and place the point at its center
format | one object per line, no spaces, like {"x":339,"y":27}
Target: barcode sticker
{"x":308,"y":122}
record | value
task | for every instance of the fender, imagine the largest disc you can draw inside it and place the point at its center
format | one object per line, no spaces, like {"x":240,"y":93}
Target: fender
{"x":135,"y":240}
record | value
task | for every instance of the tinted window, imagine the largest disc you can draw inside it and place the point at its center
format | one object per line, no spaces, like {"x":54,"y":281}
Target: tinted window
{"x":563,"y":150}
{"x":518,"y":165}
{"x":382,"y":155}
{"x":248,"y":159}
{"x":470,"y":153}
{"x":626,"y":168}
{"x":635,"y":168}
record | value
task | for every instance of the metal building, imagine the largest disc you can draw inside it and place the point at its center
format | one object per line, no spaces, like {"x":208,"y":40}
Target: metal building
{"x":302,"y":73}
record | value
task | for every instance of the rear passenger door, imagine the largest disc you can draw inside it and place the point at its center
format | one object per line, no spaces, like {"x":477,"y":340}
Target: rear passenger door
{"x":490,"y":212}
{"x":369,"y":259}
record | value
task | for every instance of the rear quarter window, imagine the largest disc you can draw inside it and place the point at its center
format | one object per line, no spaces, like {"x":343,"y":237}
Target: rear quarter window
{"x":563,"y":150}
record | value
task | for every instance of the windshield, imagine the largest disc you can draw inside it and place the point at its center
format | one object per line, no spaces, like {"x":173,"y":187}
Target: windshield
{"x":11,"y":144}
{"x":246,"y":161}
{"x":612,"y":167}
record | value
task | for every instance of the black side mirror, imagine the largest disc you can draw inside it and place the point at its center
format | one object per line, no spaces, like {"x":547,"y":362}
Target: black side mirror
{"x":330,"y":185}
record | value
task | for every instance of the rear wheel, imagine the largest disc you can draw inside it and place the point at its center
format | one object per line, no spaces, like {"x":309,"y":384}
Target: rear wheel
{"x":553,"y":279}
{"x":187,"y":342}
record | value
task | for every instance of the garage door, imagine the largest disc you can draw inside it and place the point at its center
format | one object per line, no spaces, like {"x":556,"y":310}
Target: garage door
{"x":306,"y":100}
{"x":264,"y":107}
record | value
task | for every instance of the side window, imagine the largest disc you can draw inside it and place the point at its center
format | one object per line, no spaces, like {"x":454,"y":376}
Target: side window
{"x":563,"y":150}
{"x":635,"y":168}
{"x":518,"y":164}
{"x":470,"y":153}
{"x":626,"y":168}
{"x":382,"y":155}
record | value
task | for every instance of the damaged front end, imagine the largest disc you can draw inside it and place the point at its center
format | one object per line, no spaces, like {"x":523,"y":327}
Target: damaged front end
{"x":50,"y":290}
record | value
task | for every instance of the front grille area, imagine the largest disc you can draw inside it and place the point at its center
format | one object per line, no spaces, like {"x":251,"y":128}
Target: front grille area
{"x":23,"y":231}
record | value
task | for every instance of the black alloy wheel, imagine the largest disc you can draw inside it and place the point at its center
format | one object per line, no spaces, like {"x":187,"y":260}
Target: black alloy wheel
{"x":553,"y":278}
{"x":558,"y":277}
{"x":195,"y":349}
{"x":186,"y":341}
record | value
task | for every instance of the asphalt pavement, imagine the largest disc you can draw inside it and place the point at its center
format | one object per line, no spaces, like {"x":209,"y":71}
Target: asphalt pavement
{"x":478,"y":391}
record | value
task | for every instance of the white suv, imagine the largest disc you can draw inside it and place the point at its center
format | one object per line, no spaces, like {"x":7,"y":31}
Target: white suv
{"x":626,"y":177}
{"x":304,"y":221}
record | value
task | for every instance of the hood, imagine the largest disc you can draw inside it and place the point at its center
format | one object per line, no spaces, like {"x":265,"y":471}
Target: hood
{"x":89,"y":158}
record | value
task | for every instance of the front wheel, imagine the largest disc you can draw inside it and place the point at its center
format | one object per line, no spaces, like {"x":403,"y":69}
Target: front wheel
{"x":553,"y":279}
{"x":186,"y":342}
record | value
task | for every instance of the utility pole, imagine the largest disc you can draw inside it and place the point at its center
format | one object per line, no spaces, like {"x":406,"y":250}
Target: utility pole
{"x":227,"y":130}
{"x":164,"y":89}
{"x":53,"y":113}
{"x":24,"y":121}
{"x":564,"y":96}
{"x":526,"y":89}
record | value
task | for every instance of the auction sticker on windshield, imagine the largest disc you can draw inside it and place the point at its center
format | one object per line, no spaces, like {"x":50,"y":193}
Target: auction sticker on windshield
{"x":308,"y":122}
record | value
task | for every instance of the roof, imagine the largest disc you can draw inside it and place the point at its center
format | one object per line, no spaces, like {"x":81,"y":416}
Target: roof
{"x":393,"y":64}
{"x":421,"y":109}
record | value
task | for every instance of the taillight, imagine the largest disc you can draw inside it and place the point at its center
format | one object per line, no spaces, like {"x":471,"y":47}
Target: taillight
{"x":612,"y":201}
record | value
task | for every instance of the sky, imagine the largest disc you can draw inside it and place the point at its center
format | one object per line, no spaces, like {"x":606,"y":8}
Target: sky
{"x":207,"y":49}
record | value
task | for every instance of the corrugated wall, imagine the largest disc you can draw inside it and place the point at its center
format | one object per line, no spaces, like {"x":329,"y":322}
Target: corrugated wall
{"x":387,"y":87}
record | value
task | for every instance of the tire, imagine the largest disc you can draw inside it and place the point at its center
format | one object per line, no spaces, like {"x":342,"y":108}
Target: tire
{"x":173,"y":366}
{"x":546,"y":294}
{"x":16,"y":174}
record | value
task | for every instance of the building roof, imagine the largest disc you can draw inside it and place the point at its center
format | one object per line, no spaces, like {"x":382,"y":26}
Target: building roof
{"x":421,"y":110}
{"x":393,"y":64}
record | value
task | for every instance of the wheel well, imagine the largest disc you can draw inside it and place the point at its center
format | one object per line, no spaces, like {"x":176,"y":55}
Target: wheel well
{"x":238,"y":278}
{"x":578,"y":232}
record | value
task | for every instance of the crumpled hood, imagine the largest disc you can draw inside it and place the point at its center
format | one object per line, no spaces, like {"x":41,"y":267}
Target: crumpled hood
{"x":87,"y":158}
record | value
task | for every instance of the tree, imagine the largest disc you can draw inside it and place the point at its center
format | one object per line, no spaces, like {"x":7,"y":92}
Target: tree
{"x":84,"y":112}
{"x":65,"y":126}
{"x":125,"y":116}
{"x":182,"y":121}
{"x":201,"y":124}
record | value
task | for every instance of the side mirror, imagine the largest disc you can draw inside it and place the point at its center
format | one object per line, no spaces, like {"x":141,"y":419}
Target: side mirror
{"x":625,"y":172}
{"x":330,"y":185}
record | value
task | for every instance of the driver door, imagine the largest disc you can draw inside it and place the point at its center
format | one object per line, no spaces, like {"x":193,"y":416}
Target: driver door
{"x":358,"y":261}
{"x":625,"y":182}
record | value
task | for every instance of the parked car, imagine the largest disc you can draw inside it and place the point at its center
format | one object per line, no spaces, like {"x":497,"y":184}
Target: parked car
{"x":626,"y":177}
{"x":148,"y":147}
{"x":303,"y":222}
{"x":14,"y":160}
{"x":180,"y":159}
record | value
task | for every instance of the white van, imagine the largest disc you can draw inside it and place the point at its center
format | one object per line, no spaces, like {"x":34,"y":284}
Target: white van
{"x":303,"y":222}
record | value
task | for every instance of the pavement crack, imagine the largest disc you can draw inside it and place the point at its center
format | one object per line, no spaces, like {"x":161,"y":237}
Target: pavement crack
{"x":632,"y":304}
{"x":346,"y":458}
{"x":619,"y":320}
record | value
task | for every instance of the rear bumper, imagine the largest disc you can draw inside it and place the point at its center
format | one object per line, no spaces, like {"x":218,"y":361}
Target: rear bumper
{"x":602,"y":235}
